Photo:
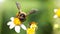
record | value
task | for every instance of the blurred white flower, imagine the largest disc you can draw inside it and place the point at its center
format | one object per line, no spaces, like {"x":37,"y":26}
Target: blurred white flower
{"x":57,"y":13}
{"x":56,"y":26}
{"x":16,"y":24}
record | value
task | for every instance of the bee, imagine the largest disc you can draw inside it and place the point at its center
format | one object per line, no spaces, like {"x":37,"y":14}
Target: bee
{"x":22,"y":15}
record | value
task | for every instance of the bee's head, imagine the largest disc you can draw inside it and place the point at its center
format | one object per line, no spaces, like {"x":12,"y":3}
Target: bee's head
{"x":22,"y":16}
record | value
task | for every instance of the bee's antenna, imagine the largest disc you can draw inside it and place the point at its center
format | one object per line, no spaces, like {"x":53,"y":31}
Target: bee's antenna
{"x":18,"y":6}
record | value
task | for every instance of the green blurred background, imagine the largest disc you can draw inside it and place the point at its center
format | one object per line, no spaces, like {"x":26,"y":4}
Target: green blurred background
{"x":44,"y":16}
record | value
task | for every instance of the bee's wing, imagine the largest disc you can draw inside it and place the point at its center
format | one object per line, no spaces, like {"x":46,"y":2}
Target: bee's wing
{"x":32,"y":11}
{"x":18,"y":6}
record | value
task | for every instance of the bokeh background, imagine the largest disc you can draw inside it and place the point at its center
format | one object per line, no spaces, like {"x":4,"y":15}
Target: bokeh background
{"x":44,"y":16}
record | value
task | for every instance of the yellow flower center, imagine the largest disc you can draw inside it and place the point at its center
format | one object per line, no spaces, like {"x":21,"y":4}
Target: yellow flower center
{"x":58,"y":12}
{"x":17,"y":21}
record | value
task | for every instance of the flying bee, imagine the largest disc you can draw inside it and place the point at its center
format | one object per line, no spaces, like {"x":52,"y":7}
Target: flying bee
{"x":22,"y":15}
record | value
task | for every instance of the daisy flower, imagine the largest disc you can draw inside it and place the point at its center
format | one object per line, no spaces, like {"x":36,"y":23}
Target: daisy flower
{"x":16,"y":24}
{"x":32,"y":28}
{"x":57,"y":13}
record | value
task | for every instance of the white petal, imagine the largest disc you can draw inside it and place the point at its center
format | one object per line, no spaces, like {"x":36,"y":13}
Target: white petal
{"x":55,"y":10}
{"x":12,"y":18}
{"x":23,"y":26}
{"x":12,"y":25}
{"x":8,"y":23}
{"x":56,"y":26}
{"x":55,"y":16}
{"x":17,"y":29}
